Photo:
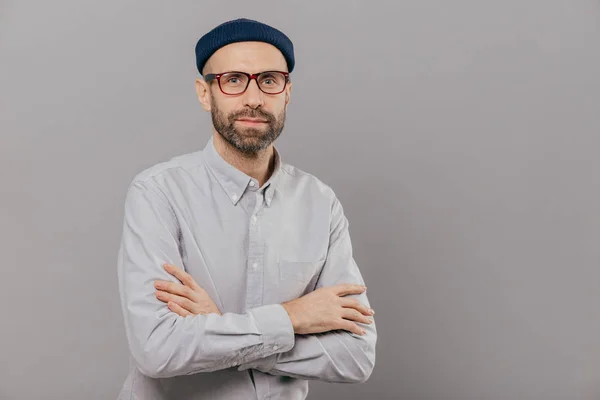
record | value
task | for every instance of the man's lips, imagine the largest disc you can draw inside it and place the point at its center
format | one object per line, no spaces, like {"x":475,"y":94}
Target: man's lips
{"x":252,"y":120}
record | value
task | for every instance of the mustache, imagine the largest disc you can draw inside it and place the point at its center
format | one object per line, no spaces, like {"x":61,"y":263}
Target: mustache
{"x":252,"y":114}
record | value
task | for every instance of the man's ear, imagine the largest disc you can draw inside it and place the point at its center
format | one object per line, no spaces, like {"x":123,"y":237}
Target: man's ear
{"x":203,"y":92}
{"x":288,"y":93}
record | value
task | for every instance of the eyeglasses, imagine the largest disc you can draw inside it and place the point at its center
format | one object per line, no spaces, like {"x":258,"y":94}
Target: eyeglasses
{"x":235,"y":82}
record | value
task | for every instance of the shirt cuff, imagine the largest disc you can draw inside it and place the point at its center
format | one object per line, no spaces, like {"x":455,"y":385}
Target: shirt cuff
{"x":277,"y":334}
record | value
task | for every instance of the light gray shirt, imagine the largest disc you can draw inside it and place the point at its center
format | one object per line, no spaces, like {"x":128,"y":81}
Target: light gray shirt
{"x":251,"y":249}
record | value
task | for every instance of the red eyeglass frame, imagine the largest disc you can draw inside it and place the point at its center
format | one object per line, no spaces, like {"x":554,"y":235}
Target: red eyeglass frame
{"x":210,"y":77}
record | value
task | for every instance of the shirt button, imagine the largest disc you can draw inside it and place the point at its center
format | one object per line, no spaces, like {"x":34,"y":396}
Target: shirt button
{"x":254,"y":218}
{"x":234,"y":196}
{"x":255,"y":265}
{"x":275,"y":347}
{"x":252,"y":183}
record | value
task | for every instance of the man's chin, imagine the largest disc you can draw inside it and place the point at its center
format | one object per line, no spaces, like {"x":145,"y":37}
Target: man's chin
{"x":249,"y":140}
{"x":250,"y":144}
{"x":251,"y":132}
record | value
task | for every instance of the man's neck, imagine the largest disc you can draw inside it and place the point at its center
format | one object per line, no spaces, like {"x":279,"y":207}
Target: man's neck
{"x":259,"y":166}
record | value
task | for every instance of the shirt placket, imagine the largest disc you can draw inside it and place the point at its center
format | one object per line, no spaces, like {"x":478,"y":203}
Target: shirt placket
{"x":256,"y":252}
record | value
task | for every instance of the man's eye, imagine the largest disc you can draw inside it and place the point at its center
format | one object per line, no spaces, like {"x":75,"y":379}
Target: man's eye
{"x":268,"y":80}
{"x":233,"y":80}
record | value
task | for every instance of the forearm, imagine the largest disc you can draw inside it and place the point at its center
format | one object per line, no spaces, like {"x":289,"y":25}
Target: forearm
{"x":335,"y":356}
{"x":168,"y":345}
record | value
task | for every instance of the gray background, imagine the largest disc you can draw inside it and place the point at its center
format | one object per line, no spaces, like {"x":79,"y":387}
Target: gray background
{"x":461,"y":136}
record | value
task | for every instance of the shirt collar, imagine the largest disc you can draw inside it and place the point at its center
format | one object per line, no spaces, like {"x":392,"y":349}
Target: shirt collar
{"x":235,"y":182}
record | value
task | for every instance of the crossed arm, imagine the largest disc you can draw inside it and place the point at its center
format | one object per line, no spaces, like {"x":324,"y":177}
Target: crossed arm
{"x":165,"y":344}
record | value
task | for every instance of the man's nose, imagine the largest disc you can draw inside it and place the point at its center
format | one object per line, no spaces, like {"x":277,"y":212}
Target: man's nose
{"x":253,"y":96}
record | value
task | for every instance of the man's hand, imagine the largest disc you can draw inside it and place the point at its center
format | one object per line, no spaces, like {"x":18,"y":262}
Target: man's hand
{"x":326,"y":309}
{"x":187,"y":298}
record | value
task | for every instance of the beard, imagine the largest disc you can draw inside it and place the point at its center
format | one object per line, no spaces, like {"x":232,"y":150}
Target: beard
{"x":247,"y":140}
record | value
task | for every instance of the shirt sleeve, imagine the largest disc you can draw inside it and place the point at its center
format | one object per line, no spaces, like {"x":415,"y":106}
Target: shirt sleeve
{"x":162,"y":343}
{"x":335,"y":356}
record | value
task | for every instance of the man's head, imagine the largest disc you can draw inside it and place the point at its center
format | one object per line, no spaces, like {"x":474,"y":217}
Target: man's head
{"x":224,"y":56}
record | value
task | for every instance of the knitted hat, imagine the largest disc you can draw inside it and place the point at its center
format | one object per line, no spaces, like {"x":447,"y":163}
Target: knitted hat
{"x":242,"y":30}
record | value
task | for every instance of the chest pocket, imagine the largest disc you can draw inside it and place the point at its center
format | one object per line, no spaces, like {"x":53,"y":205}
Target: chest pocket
{"x":301,"y":271}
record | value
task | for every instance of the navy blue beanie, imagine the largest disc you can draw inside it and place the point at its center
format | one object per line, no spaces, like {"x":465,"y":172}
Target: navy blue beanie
{"x":242,"y":30}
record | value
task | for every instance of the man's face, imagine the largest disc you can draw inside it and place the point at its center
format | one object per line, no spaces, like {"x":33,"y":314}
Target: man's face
{"x":228,"y":111}
{"x":247,"y":137}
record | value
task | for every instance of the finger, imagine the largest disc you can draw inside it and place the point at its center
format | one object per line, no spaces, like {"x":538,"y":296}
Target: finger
{"x":353,"y":315}
{"x":345,"y":289}
{"x":180,"y":274}
{"x":357,"y":305}
{"x":180,"y":301}
{"x":177,"y":309}
{"x":175,"y":288}
{"x":351,"y":327}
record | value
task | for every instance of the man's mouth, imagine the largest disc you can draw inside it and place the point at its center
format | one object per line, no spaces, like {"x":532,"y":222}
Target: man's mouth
{"x":252,"y":121}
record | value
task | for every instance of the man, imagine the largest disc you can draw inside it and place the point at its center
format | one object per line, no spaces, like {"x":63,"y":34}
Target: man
{"x":236,"y":274}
